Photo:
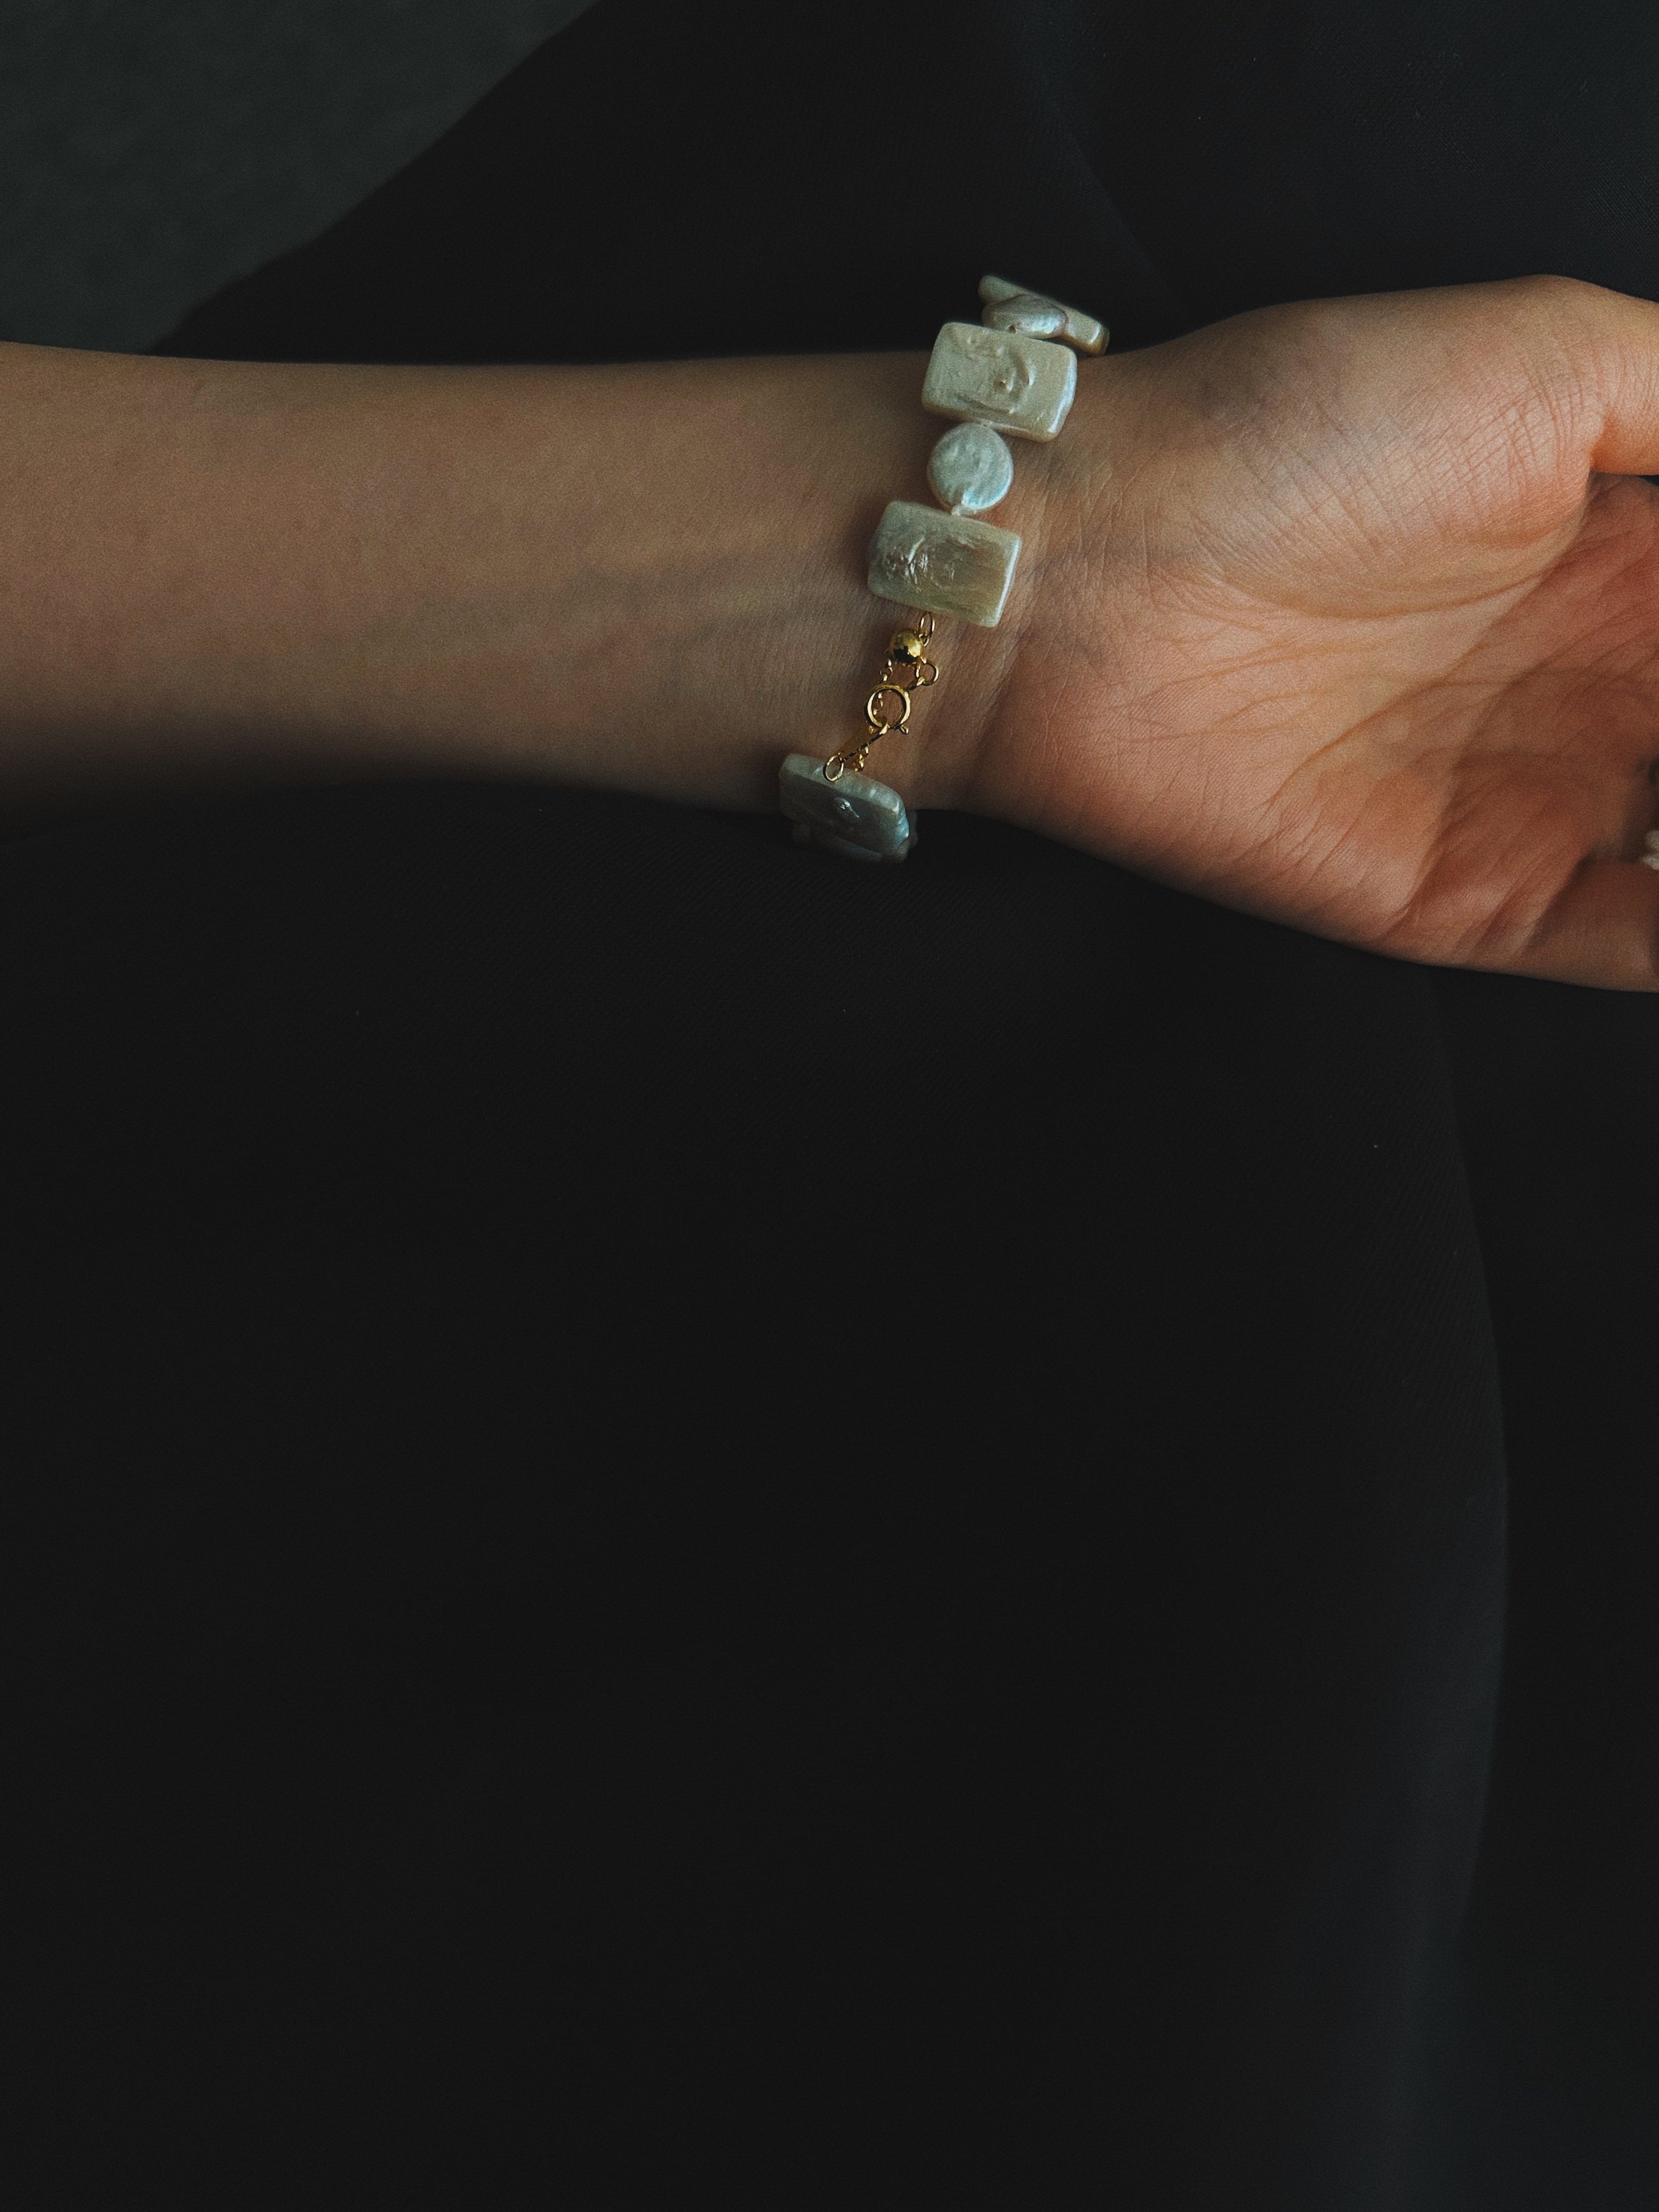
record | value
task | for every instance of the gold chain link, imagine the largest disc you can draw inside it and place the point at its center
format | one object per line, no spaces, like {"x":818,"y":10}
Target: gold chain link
{"x":888,"y":707}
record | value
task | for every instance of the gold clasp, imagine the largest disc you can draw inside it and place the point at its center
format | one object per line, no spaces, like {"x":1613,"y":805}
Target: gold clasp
{"x":883,"y":726}
{"x":907,"y":670}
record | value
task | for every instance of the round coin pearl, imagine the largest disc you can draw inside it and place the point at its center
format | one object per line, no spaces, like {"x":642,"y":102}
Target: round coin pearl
{"x":971,"y":468}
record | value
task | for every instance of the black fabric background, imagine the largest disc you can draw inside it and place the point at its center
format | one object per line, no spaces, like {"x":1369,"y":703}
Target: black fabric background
{"x":700,"y":1529}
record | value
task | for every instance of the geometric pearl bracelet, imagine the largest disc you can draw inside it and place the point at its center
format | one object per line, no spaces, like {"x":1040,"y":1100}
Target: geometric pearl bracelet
{"x":1013,"y":374}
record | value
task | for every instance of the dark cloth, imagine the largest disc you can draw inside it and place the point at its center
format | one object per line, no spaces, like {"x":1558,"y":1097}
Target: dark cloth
{"x":701,"y":1526}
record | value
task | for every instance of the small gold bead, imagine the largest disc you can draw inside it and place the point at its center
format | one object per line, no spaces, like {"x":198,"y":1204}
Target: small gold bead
{"x":906,"y":647}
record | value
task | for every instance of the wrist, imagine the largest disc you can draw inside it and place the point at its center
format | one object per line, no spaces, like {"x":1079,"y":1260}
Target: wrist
{"x":973,"y":578}
{"x":1079,"y":609}
{"x":764,"y":635}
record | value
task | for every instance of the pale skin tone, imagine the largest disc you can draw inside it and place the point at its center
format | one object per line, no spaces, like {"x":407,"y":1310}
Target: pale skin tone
{"x":1345,"y":613}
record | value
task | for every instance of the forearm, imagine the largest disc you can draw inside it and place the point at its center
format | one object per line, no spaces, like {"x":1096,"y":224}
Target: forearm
{"x":649,"y":576}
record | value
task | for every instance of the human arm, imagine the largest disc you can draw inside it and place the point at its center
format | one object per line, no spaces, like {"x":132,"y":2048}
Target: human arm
{"x":1345,"y":613}
{"x":647,"y":577}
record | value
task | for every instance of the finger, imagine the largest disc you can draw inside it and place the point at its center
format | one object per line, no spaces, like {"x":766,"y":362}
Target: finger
{"x":1603,"y":929}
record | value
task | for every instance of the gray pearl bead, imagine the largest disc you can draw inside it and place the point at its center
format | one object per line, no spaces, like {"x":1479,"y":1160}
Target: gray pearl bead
{"x":971,"y":469}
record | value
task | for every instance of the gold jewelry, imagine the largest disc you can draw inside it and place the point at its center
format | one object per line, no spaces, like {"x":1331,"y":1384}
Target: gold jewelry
{"x":908,"y":670}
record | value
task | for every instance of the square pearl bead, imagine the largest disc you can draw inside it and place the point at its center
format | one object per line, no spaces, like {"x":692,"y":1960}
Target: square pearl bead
{"x":948,"y":564}
{"x":1022,"y":385}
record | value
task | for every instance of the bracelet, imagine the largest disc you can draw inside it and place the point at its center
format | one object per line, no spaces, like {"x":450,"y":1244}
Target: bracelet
{"x":1012,"y":374}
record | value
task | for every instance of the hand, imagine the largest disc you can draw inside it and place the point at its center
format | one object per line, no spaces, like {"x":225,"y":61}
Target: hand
{"x":1348,"y":614}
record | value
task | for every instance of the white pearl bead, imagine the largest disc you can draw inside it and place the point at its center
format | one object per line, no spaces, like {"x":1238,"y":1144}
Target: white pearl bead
{"x":856,"y":816}
{"x":1651,"y":840}
{"x":971,"y":469}
{"x":1022,"y":385}
{"x":1080,"y":331}
{"x":947,"y":564}
{"x":1027,"y":315}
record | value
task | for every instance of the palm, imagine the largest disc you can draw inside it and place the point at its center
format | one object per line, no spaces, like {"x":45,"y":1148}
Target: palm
{"x":1355,"y":636}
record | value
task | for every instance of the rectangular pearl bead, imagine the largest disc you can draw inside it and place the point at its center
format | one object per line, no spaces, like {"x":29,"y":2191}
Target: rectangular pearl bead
{"x":1022,"y":385}
{"x":947,"y":564}
{"x":1082,"y":330}
{"x":856,"y":816}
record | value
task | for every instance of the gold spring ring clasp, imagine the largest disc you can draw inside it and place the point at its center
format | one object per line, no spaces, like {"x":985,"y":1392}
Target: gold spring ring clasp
{"x":883,"y":726}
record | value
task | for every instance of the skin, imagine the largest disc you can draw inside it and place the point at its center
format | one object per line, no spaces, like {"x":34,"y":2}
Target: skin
{"x":1345,"y":613}
{"x":1358,"y":626}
